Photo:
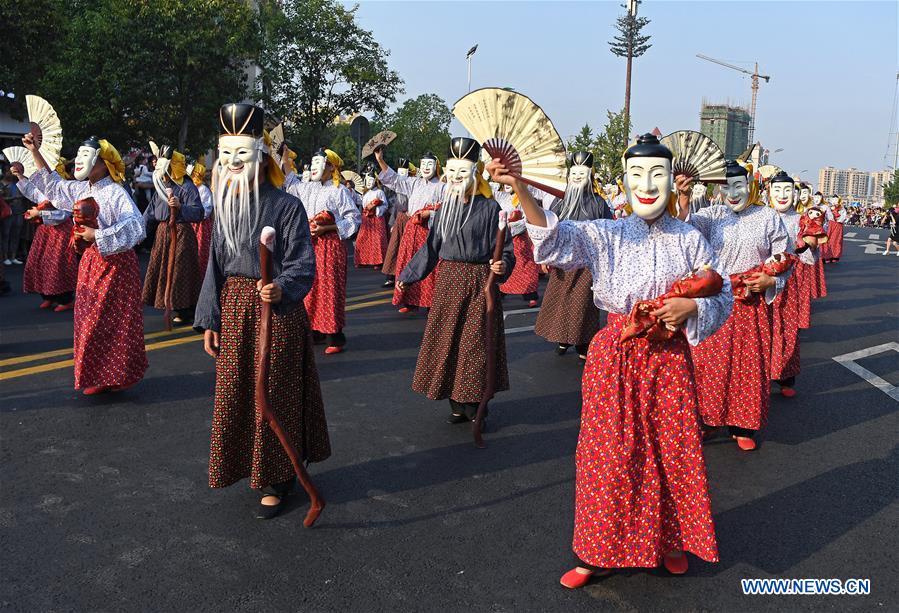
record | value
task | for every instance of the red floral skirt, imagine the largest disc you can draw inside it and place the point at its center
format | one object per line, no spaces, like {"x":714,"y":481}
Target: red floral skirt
{"x":526,"y":274}
{"x":371,"y":242}
{"x":806,"y":279}
{"x":732,"y":369}
{"x":568,"y":314}
{"x":203,"y":230}
{"x":241,"y":445}
{"x":833,"y":248}
{"x":393,"y":246}
{"x":819,"y":289}
{"x":452,"y":361}
{"x":641,"y":488}
{"x":326,"y":302}
{"x":109,"y":321}
{"x":786,"y":315}
{"x":52,"y":265}
{"x":419,"y":294}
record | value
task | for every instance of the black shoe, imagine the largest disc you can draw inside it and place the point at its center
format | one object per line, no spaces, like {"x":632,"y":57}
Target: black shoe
{"x":318,"y":338}
{"x":281,"y":491}
{"x":388,"y":283}
{"x":456,"y":419}
{"x":561,"y":349}
{"x":266,"y":511}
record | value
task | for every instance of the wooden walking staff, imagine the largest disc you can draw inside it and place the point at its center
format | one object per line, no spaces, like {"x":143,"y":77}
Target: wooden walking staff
{"x":490,"y":293}
{"x":170,"y":263}
{"x":263,"y":407}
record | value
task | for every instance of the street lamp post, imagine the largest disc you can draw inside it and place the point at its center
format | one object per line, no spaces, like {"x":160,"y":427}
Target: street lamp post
{"x":468,"y":57}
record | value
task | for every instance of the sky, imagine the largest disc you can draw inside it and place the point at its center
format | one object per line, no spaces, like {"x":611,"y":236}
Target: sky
{"x":833,"y":66}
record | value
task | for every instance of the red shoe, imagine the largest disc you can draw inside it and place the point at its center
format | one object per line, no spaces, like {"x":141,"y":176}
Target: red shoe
{"x":575,"y":579}
{"x":65,"y":307}
{"x":532,"y":304}
{"x":96,"y":389}
{"x":404,"y":309}
{"x":745,"y":443}
{"x":676,"y":565}
{"x":787,"y":392}
{"x":46,"y":304}
{"x":333,"y":349}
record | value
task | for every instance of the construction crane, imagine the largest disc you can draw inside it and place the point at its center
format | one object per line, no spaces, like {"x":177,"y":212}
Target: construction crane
{"x":755,"y":87}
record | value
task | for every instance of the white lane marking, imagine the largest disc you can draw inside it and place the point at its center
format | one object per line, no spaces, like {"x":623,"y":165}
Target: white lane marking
{"x":850,"y":234}
{"x":519,"y":312}
{"x":848,"y":360}
{"x":521,"y":329}
{"x":873,"y":249}
{"x":874,"y":237}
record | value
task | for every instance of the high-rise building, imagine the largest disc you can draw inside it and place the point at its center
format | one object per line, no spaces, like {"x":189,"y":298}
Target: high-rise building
{"x":833,"y":181}
{"x":857,"y":183}
{"x":727,"y":125}
{"x":879,"y":178}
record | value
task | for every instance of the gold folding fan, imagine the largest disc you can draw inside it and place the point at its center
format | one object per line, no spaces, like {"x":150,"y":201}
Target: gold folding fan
{"x":358,"y":183}
{"x":45,"y":128}
{"x":22,"y":156}
{"x":511,"y":127}
{"x":697,"y":156}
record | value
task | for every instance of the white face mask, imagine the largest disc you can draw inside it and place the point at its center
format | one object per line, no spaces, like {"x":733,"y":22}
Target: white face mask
{"x":833,"y":201}
{"x":736,"y":193}
{"x":240,"y":155}
{"x":579,"y":175}
{"x":403,"y":172}
{"x":507,"y":189}
{"x":317,"y":168}
{"x":782,"y":196}
{"x":494,"y":186}
{"x":369,"y":182}
{"x":460,"y":175}
{"x":698,"y":192}
{"x":84,"y":161}
{"x":306,"y":176}
{"x":816,"y":199}
{"x":648,"y":184}
{"x":803,"y":195}
{"x":428,"y":169}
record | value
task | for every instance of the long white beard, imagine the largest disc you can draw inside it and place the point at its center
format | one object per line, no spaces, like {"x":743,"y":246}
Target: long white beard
{"x":454,"y":212}
{"x":237,"y":210}
{"x":572,"y":200}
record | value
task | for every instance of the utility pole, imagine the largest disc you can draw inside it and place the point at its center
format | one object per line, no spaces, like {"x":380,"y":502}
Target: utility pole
{"x":632,"y":15}
{"x":629,"y":44}
{"x":468,"y":57}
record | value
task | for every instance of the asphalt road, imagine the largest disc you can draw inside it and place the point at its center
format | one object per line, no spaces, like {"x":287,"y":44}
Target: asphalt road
{"x":105,"y":505}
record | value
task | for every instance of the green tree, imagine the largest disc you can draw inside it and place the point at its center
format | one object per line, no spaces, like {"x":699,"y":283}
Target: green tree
{"x":584,"y":140}
{"x":318,"y":64}
{"x":891,"y":190}
{"x":421,"y":125}
{"x":629,"y":43}
{"x":608,"y":149}
{"x":191,"y":58}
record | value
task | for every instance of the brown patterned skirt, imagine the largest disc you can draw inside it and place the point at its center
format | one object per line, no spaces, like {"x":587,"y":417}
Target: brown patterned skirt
{"x":242,"y":447}
{"x":568,"y":315}
{"x":186,"y":281}
{"x":452,"y":362}
{"x":393,"y":247}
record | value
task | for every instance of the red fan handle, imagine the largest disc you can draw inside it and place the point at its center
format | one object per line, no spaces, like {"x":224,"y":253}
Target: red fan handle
{"x":502,"y":150}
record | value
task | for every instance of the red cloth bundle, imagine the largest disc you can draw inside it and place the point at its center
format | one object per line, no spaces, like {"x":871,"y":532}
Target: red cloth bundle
{"x":324,"y":218}
{"x":515,"y":215}
{"x":84,"y":215}
{"x":811,"y":230}
{"x":421,"y":221}
{"x":371,"y":210}
{"x":641,"y":323}
{"x":41,"y":206}
{"x":773,"y":266}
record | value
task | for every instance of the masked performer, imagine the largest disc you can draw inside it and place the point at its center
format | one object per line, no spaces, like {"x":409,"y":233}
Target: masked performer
{"x":525,"y":276}
{"x":423,"y":192}
{"x":732,"y":366}
{"x":371,"y":243}
{"x":174,"y":195}
{"x":641,"y":494}
{"x":452,"y":361}
{"x":109,"y":322}
{"x":333,"y":218}
{"x":52,"y":266}
{"x":203,"y":229}
{"x":832,"y":250}
{"x":399,"y":207}
{"x":568,"y":315}
{"x":791,"y":309}
{"x":247,"y":199}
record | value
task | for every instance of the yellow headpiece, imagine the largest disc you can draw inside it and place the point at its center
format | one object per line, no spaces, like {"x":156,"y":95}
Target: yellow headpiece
{"x":289,"y":157}
{"x":177,"y":167}
{"x":113,"y":161}
{"x":335,"y":161}
{"x":481,"y":186}
{"x":198,"y":174}
{"x":61,"y":168}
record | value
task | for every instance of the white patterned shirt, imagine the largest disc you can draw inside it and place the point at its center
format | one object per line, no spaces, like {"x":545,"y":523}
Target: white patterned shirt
{"x":790,"y":221}
{"x":420,"y":191}
{"x":317,"y":197}
{"x":631,"y":260}
{"x":121,"y":224}
{"x":376,"y":194}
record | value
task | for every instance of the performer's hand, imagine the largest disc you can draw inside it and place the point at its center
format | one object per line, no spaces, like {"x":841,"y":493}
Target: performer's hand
{"x":499,"y":173}
{"x":32,"y":213}
{"x":684,"y":185}
{"x":401,"y":286}
{"x":174,"y":202}
{"x":676,"y":311}
{"x":28,"y":142}
{"x":88,"y":234}
{"x":424,"y":214}
{"x":211,"y":342}
{"x":759,"y":282}
{"x":379,"y":154}
{"x":318,"y":230}
{"x":544,"y":269}
{"x":17,"y":169}
{"x":271,"y":293}
{"x":498,"y":267}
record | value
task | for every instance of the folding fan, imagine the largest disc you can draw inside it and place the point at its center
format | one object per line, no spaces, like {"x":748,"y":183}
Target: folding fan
{"x":767,"y":171}
{"x":23,"y":157}
{"x":696,"y":155}
{"x":511,"y":127}
{"x":154,"y":149}
{"x":45,"y":128}
{"x":358,"y":183}
{"x":380,"y":139}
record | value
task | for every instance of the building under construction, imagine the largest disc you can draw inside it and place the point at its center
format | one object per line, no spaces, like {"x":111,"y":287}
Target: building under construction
{"x":727,"y":125}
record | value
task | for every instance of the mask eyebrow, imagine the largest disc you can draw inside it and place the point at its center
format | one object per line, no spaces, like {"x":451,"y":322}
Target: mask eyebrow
{"x":658,"y":167}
